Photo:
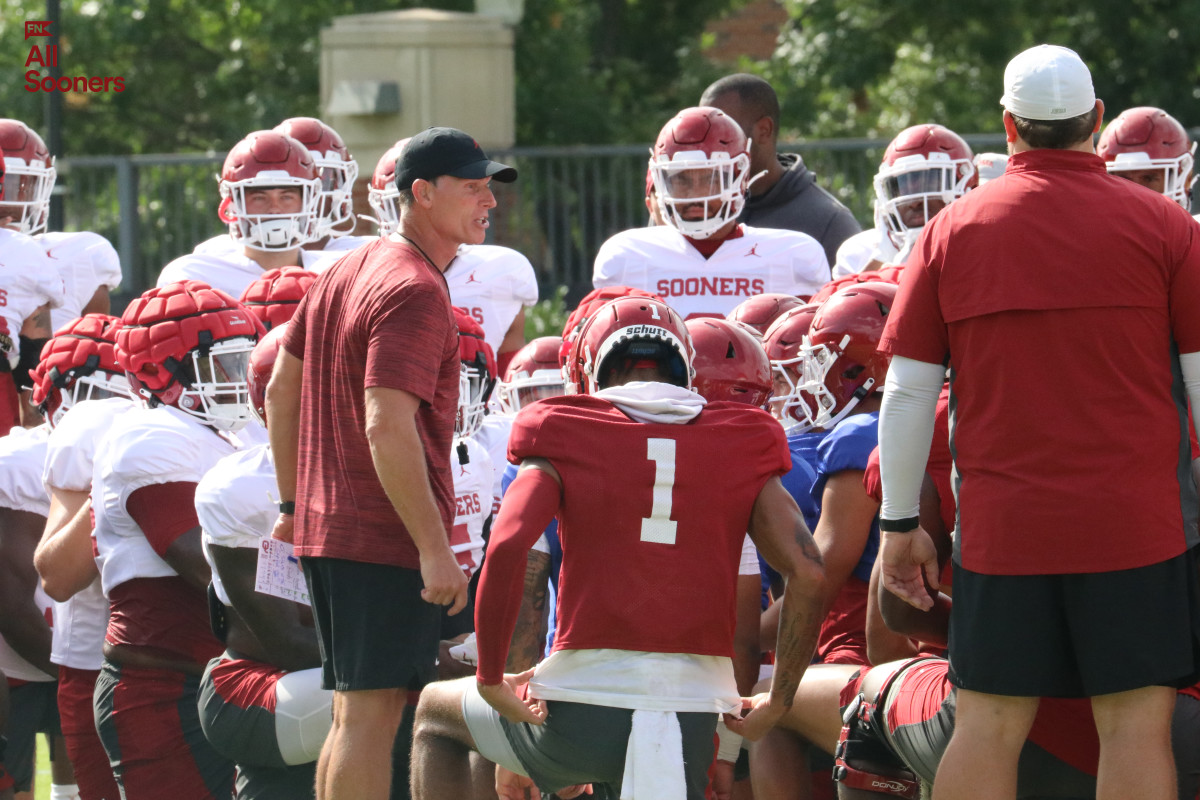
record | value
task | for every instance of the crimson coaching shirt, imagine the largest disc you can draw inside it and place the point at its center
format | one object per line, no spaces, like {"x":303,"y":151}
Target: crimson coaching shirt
{"x":380,"y":317}
{"x":1060,"y":297}
{"x":653,"y":519}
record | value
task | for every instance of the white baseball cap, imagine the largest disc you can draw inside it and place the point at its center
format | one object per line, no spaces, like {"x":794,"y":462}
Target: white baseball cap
{"x":1048,"y":82}
{"x":990,"y":166}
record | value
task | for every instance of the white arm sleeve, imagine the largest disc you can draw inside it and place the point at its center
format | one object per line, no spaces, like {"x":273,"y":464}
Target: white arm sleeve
{"x":905,"y":433}
{"x":1189,"y":364}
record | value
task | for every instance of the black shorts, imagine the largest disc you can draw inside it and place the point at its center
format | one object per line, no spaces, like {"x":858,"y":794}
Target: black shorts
{"x":1185,"y":742}
{"x":1076,"y":635}
{"x":33,"y":709}
{"x":581,"y":743}
{"x":373,"y":628}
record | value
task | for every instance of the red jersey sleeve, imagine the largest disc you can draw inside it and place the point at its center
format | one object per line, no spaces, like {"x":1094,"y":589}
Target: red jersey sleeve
{"x":915,"y":327}
{"x":295,"y":337}
{"x":1185,"y":289}
{"x":872,"y":483}
{"x":408,"y":338}
{"x":164,"y":512}
{"x":522,"y":439}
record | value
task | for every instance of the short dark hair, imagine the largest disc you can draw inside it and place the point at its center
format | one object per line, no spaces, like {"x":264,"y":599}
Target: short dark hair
{"x":1056,"y":134}
{"x":404,"y":197}
{"x":756,"y":94}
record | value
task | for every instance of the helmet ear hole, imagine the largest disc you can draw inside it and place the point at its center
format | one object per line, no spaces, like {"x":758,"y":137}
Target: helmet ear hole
{"x":224,"y":213}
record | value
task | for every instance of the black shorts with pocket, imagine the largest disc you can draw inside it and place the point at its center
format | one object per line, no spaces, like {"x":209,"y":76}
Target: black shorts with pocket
{"x":373,"y":628}
{"x":1076,"y":635}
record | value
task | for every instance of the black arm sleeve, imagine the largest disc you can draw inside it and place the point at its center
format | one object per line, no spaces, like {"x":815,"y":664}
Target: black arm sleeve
{"x":31,"y":353}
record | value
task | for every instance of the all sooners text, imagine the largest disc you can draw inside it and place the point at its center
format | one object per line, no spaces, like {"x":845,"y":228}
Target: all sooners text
{"x":48,"y":57}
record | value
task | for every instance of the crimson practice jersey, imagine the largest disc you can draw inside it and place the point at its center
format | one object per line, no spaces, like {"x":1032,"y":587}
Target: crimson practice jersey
{"x":85,"y":262}
{"x":760,"y":260}
{"x":493,"y":284}
{"x":669,"y":503}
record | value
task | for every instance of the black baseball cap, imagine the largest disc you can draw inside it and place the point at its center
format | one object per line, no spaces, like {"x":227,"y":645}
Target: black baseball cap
{"x":447,"y":151}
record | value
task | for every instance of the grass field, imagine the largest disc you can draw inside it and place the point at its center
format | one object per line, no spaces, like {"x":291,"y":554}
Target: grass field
{"x":41,"y":783}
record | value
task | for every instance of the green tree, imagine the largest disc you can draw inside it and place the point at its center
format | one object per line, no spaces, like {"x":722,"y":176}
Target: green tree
{"x":198,"y":76}
{"x":873,"y":67}
{"x":609,"y":71}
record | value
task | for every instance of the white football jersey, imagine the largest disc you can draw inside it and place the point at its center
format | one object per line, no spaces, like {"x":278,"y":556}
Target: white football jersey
{"x":229,"y":272}
{"x":861,"y":249}
{"x":493,"y":436}
{"x":80,"y":622}
{"x":28,"y":280}
{"x":343,"y":243}
{"x":14,"y":666}
{"x":85,"y":261}
{"x":659,"y":259}
{"x":146,"y":446}
{"x":472,"y":502}
{"x":22,"y":454}
{"x":237,"y":503}
{"x":493,"y":284}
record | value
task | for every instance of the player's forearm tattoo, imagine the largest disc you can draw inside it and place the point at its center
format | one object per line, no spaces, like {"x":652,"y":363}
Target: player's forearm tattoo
{"x":808,"y":545}
{"x":526,"y":647}
{"x":37,"y":325}
{"x":799,"y":624}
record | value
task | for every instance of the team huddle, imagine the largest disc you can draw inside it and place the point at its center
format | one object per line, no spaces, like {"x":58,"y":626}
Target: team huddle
{"x":665,"y":572}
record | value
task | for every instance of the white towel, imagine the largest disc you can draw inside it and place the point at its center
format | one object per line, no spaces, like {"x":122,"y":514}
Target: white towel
{"x":650,"y":401}
{"x":654,"y":758}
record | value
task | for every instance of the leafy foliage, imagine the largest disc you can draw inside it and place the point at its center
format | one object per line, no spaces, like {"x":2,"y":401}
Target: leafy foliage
{"x":873,"y":67}
{"x":548,"y":316}
{"x":198,"y":76}
{"x":609,"y":71}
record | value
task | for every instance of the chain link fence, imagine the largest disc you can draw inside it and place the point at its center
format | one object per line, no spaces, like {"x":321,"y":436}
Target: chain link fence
{"x":154,"y":208}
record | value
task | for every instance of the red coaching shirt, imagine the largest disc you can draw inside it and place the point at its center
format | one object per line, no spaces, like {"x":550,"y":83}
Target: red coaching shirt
{"x":380,"y":317}
{"x":653,"y":519}
{"x":1059,"y":296}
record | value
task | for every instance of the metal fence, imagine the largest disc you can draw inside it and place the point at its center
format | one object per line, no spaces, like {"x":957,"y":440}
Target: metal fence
{"x":567,"y":202}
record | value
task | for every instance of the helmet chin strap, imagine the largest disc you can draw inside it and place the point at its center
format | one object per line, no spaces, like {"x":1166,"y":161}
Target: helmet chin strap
{"x":859,"y":395}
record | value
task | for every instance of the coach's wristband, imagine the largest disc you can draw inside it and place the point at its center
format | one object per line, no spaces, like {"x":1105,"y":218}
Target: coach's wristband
{"x":905,"y":525}
{"x":288,"y":507}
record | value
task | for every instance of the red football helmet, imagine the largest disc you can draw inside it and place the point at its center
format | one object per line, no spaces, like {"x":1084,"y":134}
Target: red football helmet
{"x":274,"y":296}
{"x":782,"y":342}
{"x":187,"y":345}
{"x":629,"y":329}
{"x":270,"y":160}
{"x":79,"y":363}
{"x":593,"y":300}
{"x":1145,"y":138}
{"x":889,"y":274}
{"x":701,"y":168}
{"x":925,"y":168}
{"x":761,"y":310}
{"x":29,"y":169}
{"x":478,"y":374}
{"x":533,"y":373}
{"x":840,"y":365}
{"x":260,"y":367}
{"x":382,"y":192}
{"x":336,"y":168}
{"x":729,"y":361}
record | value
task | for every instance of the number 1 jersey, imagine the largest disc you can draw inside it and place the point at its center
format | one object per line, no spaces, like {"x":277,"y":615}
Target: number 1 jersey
{"x":652,"y":520}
